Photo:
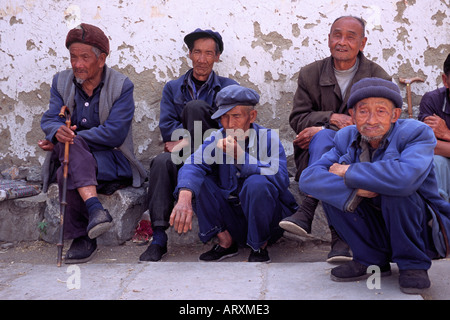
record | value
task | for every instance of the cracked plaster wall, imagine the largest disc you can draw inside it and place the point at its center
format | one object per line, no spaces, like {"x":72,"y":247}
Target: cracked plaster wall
{"x":266,"y":43}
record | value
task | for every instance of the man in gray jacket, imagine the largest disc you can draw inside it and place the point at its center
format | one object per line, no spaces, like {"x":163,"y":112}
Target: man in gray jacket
{"x":320,"y":102}
{"x":101,"y":152}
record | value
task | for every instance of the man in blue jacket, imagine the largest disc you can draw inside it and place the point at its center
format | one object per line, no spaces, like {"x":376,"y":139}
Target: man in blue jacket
{"x":379,"y":190}
{"x":435,"y":111}
{"x":101,"y":154}
{"x":185,"y":115}
{"x":236,"y":183}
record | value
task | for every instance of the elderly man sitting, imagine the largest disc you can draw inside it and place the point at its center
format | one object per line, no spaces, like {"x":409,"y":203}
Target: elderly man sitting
{"x":379,"y":190}
{"x":101,"y":156}
{"x":239,"y":181}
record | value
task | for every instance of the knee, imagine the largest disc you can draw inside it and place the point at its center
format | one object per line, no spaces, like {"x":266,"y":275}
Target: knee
{"x":162,"y":163}
{"x":196,"y":109}
{"x":258,"y":187}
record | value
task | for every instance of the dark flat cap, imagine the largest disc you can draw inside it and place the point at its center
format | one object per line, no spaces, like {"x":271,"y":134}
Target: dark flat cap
{"x":375,"y":87}
{"x":232,"y":96}
{"x":199,"y":33}
{"x":88,"y":34}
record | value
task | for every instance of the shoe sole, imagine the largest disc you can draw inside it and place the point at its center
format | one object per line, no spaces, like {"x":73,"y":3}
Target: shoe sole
{"x":337,"y":259}
{"x":363,"y":277}
{"x":221,"y":258}
{"x":74,"y":261}
{"x":99,"y":229}
{"x":148,"y":261}
{"x":293,"y":228}
{"x":413,"y":290}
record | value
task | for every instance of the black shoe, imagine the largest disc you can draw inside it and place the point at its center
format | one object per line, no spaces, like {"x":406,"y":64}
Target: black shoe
{"x":300,"y":222}
{"x":81,"y":250}
{"x":297,"y":224}
{"x":340,"y":251}
{"x":100,"y":221}
{"x":154,"y":252}
{"x":354,"y":271}
{"x":414,"y":281}
{"x":262,"y":255}
{"x":218,"y":253}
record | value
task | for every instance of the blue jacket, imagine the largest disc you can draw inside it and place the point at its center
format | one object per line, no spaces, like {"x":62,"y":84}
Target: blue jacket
{"x":264,"y":155}
{"x":178,"y":92}
{"x":402,"y":166}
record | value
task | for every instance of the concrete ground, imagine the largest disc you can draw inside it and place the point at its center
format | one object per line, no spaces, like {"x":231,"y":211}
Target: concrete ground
{"x":298,"y":271}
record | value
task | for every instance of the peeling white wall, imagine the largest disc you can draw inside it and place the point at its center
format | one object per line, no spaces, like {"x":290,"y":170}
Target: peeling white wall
{"x":266,"y":43}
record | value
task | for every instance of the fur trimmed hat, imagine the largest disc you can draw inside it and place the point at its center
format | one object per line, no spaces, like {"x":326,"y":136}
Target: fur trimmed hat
{"x":88,"y":34}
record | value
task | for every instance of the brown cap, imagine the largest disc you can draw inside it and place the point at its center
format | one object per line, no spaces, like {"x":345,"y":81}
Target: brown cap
{"x":88,"y":34}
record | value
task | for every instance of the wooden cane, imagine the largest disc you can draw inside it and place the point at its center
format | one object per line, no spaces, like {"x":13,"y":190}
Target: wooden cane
{"x":408,"y":91}
{"x":64,"y":113}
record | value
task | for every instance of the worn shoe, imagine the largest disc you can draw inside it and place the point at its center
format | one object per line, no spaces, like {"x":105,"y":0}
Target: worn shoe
{"x":262,"y":255}
{"x":218,"y":253}
{"x":340,"y":251}
{"x":100,"y":221}
{"x":300,"y":222}
{"x":81,"y":250}
{"x":297,"y":224}
{"x":354,"y":271}
{"x":414,"y":281}
{"x":154,"y":252}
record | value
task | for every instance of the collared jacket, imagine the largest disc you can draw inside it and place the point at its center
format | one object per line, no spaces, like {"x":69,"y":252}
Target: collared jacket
{"x":400,"y":167}
{"x":435,"y":102}
{"x":115,"y":110}
{"x":318,"y":96}
{"x":178,"y":92}
{"x":264,"y":155}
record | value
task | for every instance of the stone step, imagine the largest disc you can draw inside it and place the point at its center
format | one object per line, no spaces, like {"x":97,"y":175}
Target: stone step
{"x":38,"y":217}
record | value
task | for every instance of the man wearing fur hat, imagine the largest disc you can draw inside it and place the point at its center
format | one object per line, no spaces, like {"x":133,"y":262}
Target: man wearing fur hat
{"x":379,"y":189}
{"x":101,"y":156}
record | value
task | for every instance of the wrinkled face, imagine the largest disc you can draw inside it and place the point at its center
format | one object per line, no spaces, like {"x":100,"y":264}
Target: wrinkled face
{"x":85,"y":64}
{"x":238,"y":120}
{"x":346,"y":40}
{"x":373,"y":118}
{"x":203,"y":56}
{"x":446,"y":80}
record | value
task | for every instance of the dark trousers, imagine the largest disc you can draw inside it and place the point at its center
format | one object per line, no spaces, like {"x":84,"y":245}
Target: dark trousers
{"x":82,"y":171}
{"x":164,"y":172}
{"x":385,"y":229}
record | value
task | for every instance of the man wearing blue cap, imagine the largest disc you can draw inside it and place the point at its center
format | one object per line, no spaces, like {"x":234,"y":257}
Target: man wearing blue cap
{"x":236,"y":183}
{"x":187,"y":103}
{"x":379,"y":190}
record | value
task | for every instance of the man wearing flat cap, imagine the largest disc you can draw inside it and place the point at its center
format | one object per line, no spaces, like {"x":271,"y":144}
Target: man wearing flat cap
{"x":379,"y":190}
{"x":236,"y":183}
{"x":101,"y":153}
{"x":186,"y":107}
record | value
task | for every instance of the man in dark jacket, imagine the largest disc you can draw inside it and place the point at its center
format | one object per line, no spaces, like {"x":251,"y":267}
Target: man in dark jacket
{"x":185,"y":113}
{"x":101,"y":151}
{"x":435,"y":111}
{"x":320,"y":106}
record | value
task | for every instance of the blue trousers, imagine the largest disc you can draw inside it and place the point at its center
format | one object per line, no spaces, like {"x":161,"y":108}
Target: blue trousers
{"x":251,"y":218}
{"x":441,"y":167}
{"x":385,"y":229}
{"x":322,"y":142}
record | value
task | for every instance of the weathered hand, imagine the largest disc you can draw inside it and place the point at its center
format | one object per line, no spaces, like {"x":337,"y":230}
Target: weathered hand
{"x":181,"y":216}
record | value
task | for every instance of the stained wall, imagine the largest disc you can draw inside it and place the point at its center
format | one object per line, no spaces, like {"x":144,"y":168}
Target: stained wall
{"x":266,"y":44}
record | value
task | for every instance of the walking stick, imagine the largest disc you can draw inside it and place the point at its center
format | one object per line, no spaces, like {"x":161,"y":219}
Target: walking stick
{"x":64,"y":113}
{"x":408,"y":83}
